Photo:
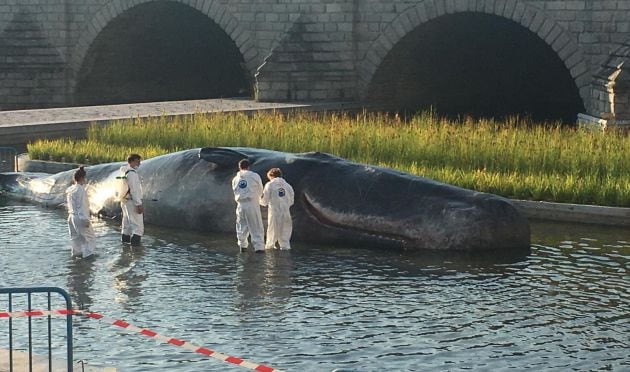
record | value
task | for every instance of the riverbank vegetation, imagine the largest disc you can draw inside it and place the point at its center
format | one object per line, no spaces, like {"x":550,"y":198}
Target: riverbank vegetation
{"x":513,"y":157}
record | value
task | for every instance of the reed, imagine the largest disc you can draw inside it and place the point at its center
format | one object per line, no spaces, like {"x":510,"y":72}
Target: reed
{"x":514,"y":157}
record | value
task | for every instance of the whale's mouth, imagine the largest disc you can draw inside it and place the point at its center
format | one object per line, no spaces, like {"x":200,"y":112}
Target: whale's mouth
{"x":360,"y":226}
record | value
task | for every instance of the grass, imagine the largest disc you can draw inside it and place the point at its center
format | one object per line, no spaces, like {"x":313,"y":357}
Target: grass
{"x":514,"y":158}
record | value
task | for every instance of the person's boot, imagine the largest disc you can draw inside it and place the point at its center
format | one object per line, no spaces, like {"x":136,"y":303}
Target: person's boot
{"x":126,"y":238}
{"x":135,"y":239}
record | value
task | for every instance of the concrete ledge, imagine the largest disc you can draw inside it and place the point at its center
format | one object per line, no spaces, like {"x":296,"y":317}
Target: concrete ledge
{"x":25,"y":164}
{"x":22,"y":126}
{"x":592,"y":214}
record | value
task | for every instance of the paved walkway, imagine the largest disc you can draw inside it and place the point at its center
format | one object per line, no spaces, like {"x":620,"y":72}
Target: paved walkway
{"x":22,"y":126}
{"x":112,"y":112}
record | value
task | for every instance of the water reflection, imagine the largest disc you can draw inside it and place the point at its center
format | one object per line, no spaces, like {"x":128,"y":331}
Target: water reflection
{"x":128,"y":276}
{"x":551,"y":233}
{"x":367,"y":264}
{"x":562,"y":306}
{"x":263,"y":278}
{"x":80,"y":281}
{"x":472,"y":263}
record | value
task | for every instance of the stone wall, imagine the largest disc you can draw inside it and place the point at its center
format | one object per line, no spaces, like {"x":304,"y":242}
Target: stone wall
{"x":301,"y":49}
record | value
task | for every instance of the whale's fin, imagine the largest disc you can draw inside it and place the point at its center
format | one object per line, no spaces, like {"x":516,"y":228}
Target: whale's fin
{"x":222,"y":156}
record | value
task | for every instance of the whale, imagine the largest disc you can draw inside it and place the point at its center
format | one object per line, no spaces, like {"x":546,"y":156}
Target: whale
{"x":337,"y":201}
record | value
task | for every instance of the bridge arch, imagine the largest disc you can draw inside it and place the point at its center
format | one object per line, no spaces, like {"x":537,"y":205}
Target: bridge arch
{"x":214,"y":12}
{"x":531,"y":18}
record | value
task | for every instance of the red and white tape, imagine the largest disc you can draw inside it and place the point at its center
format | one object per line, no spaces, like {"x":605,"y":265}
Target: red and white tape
{"x":21,"y":314}
{"x":146,"y":332}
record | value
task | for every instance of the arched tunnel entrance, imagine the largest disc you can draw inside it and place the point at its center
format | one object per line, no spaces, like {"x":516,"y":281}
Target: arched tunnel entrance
{"x":161,"y":51}
{"x":479,"y":65}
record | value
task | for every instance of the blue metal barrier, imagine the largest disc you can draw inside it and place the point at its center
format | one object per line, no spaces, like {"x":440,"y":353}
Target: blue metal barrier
{"x":28,"y":292}
{"x":8,"y":159}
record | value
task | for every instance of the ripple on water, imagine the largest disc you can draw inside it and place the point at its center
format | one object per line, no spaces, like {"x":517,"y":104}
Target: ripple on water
{"x":563,"y":306}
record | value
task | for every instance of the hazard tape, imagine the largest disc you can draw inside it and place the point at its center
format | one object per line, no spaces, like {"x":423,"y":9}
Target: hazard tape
{"x":22,"y":314}
{"x":146,"y":332}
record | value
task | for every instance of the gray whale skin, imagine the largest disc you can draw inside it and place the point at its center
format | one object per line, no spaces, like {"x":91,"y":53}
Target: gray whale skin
{"x":336,"y":201}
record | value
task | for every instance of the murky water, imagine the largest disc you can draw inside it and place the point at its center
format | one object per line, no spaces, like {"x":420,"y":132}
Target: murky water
{"x":563,"y":307}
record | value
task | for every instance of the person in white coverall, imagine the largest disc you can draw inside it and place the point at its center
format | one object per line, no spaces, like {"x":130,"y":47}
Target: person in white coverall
{"x":82,"y":238}
{"x":278,"y":196}
{"x":248,"y":188}
{"x":131,"y":201}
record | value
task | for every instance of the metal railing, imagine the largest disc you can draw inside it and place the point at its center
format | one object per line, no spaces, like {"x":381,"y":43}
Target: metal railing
{"x":13,"y":296}
{"x":8,"y":159}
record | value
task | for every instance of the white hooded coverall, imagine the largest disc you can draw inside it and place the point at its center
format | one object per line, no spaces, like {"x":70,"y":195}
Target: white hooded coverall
{"x":248,"y":188}
{"x":278,"y":196}
{"x":82,"y":238}
{"x":132,"y":221}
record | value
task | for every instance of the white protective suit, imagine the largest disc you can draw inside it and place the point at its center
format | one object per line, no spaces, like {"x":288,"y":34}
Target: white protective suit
{"x":82,"y":238}
{"x":278,"y":196}
{"x":132,"y":221}
{"x":248,"y":188}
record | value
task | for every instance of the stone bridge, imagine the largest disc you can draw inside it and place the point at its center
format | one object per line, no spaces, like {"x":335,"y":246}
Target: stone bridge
{"x":547,"y":58}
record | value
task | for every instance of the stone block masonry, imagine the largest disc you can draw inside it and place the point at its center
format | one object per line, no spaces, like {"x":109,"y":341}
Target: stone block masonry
{"x":299,"y":50}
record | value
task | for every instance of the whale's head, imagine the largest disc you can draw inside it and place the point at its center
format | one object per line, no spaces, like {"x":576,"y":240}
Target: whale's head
{"x":340,"y":201}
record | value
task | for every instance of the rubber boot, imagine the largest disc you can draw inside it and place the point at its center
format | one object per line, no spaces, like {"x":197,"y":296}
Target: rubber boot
{"x":126,"y":238}
{"x":135,"y":240}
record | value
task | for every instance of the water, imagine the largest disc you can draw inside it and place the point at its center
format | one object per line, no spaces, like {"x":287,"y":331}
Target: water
{"x":563,"y":307}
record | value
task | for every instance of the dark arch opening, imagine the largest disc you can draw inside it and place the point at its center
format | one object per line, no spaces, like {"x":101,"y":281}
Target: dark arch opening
{"x":161,"y":51}
{"x":479,"y":65}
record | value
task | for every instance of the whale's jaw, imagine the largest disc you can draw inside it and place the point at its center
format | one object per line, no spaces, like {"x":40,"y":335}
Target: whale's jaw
{"x":458,"y":226}
{"x":351,"y":224}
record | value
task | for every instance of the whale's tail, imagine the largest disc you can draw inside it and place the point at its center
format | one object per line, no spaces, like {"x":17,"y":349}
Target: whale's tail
{"x":13,"y":180}
{"x":7,"y":179}
{"x":28,"y":186}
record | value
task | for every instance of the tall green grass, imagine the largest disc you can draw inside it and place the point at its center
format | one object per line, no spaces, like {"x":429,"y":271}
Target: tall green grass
{"x":513,"y":158}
